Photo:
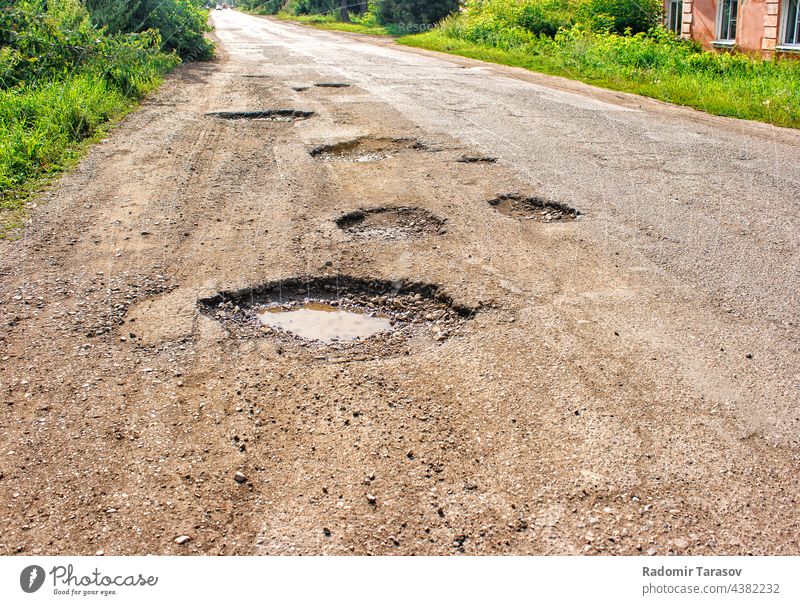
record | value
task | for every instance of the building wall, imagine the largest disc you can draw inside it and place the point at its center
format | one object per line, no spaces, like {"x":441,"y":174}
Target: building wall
{"x":752,"y":29}
{"x":772,"y":15}
{"x":704,"y":21}
{"x":757,"y":27}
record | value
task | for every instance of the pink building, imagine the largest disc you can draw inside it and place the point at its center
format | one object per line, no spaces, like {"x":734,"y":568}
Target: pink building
{"x":759,"y":26}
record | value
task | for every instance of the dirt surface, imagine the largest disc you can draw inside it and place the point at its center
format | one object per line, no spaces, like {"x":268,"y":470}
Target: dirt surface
{"x":622,"y":383}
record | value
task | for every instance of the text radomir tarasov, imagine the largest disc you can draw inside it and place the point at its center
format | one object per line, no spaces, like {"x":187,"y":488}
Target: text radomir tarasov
{"x":689,"y":572}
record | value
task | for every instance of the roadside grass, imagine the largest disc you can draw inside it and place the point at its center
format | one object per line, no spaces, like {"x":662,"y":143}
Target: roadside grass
{"x":656,"y":66}
{"x":46,"y":129}
{"x":63,"y":85}
{"x":329,"y":22}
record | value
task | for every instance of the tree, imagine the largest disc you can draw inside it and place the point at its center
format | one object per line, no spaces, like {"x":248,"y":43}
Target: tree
{"x":417,"y":13}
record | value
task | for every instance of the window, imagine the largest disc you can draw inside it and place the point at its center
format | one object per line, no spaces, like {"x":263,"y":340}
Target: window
{"x":791,"y":23}
{"x":675,"y":15}
{"x":726,"y":18}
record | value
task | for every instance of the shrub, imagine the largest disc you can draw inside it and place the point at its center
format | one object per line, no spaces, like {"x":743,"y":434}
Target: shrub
{"x":416,"y":14}
{"x":370,"y":17}
{"x":262,"y":7}
{"x":546,"y":17}
{"x":61,"y":81}
{"x":313,"y":7}
{"x":620,"y":15}
{"x":181,"y":23}
{"x":509,"y":24}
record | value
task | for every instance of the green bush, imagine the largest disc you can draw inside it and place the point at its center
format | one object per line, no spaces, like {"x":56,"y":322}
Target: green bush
{"x":414,"y":15}
{"x":181,"y":23}
{"x":621,"y":16}
{"x":313,"y":7}
{"x":512,"y":24}
{"x":262,"y":7}
{"x":507,"y":23}
{"x":42,"y":46}
{"x":113,"y":14}
{"x":546,"y":17}
{"x":61,"y":81}
{"x":370,"y":17}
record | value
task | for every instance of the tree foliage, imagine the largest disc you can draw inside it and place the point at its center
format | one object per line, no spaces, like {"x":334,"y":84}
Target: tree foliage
{"x":508,"y":23}
{"x":61,"y":81}
{"x":415,"y":13}
{"x":181,"y":23}
{"x":620,"y":16}
{"x":312,"y":7}
{"x":113,"y":14}
{"x":45,"y":45}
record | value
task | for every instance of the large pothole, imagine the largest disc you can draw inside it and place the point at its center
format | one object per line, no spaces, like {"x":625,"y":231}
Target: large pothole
{"x":391,"y":223}
{"x":340,"y":313}
{"x":364,"y":149}
{"x":332,"y":85}
{"x":270,"y":115}
{"x":533,"y":208}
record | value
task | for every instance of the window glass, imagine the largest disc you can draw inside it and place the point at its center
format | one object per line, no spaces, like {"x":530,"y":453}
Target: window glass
{"x":728,"y":13}
{"x":792,"y":25}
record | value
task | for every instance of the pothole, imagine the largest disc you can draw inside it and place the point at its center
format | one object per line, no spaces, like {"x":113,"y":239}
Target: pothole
{"x":365,"y":149}
{"x":476,"y":159}
{"x":271,"y":115}
{"x":340,"y":314}
{"x":391,"y":223}
{"x":332,"y":85}
{"x":533,"y":208}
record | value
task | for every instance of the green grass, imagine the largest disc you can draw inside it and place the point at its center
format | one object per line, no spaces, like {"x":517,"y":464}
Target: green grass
{"x":45,"y":130}
{"x":63,"y":85}
{"x":329,"y":22}
{"x":658,"y":67}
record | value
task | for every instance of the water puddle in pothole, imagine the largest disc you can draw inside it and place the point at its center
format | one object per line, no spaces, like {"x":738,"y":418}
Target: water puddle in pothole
{"x":269,"y":115}
{"x":533,"y":209}
{"x":332,"y":85}
{"x":364,"y":149}
{"x":324,"y":323}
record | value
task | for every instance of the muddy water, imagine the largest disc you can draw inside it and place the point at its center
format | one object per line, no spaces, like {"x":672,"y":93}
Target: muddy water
{"x":317,"y":321}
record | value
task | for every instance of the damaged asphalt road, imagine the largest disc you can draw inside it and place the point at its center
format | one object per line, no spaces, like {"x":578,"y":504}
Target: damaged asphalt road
{"x":588,"y":303}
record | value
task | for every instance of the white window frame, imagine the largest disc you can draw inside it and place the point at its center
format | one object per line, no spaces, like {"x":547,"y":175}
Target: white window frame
{"x":720,"y":41}
{"x":670,"y":5}
{"x":784,"y":28}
